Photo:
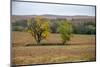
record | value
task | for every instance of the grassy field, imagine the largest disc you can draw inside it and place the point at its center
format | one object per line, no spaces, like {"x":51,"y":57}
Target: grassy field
{"x":81,"y":48}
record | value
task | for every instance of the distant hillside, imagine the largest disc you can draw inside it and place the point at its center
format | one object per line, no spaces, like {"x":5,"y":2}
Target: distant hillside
{"x":73,"y":18}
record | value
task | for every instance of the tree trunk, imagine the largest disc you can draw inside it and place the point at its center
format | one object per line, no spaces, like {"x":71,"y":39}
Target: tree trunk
{"x":38,"y":39}
{"x":64,"y":42}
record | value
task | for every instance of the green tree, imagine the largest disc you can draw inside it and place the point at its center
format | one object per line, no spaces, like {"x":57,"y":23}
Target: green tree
{"x":90,"y":29}
{"x":39,"y":28}
{"x":18,"y":28}
{"x":65,"y":30}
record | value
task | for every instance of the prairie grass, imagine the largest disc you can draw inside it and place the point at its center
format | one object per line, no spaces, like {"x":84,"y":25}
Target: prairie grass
{"x":81,"y":48}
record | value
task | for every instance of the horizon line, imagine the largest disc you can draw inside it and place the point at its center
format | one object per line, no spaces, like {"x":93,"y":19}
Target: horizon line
{"x":50,"y":14}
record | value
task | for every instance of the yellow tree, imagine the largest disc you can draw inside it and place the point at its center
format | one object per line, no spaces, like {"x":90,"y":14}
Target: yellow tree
{"x":39,"y":28}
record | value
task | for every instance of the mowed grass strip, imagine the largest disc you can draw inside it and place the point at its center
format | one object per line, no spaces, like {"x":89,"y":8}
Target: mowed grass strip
{"x":24,"y":38}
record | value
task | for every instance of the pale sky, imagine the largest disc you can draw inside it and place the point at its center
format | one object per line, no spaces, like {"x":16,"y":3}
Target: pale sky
{"x":31,"y":8}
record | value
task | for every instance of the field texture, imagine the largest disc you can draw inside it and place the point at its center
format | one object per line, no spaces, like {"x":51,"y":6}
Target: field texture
{"x":80,"y":48}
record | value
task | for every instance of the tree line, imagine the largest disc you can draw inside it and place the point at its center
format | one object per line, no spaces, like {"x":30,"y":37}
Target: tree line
{"x":87,"y":27}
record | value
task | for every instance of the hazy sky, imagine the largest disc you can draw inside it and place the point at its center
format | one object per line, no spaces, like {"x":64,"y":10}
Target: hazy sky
{"x":30,"y":8}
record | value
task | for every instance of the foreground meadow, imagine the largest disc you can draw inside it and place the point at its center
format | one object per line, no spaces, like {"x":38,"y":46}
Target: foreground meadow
{"x":80,"y":48}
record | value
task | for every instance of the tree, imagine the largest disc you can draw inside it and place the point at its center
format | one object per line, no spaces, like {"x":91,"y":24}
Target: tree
{"x":90,"y":29}
{"x":65,"y":30}
{"x":39,"y":28}
{"x":54,"y":27}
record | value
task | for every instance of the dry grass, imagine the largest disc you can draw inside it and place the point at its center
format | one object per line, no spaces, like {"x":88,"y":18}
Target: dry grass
{"x":82,"y":49}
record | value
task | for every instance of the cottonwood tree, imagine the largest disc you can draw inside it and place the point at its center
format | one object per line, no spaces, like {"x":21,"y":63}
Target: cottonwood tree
{"x":39,"y":28}
{"x":65,"y":30}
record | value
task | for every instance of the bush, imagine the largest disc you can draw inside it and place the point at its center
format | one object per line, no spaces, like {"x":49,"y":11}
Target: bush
{"x":17,"y":28}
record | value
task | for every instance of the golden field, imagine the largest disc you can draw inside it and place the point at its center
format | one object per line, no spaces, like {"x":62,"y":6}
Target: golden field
{"x":79,"y":48}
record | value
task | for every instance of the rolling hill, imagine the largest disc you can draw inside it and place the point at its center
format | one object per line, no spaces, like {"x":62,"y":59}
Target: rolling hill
{"x":76,"y":18}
